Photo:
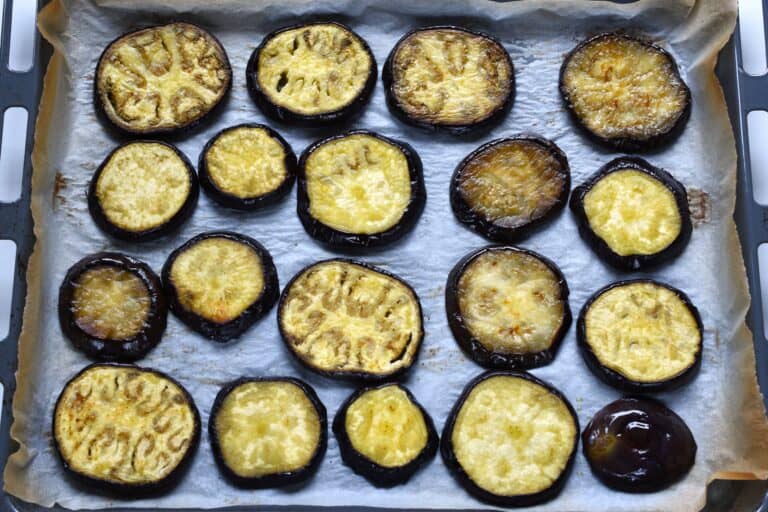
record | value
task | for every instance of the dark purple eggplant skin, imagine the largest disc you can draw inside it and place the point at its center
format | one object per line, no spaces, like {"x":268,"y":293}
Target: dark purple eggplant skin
{"x":359,"y":377}
{"x":343,"y":115}
{"x":636,"y":261}
{"x":186,"y":129}
{"x":614,"y":378}
{"x":277,"y":479}
{"x":173,"y":224}
{"x":472,"y":347}
{"x":249,"y":203}
{"x":487,"y":228}
{"x":625,"y":143}
{"x":651,"y":447}
{"x":112,"y":350}
{"x":449,"y":457}
{"x":341,"y":240}
{"x":222,"y":333}
{"x":381,"y":476}
{"x":458,"y":129}
{"x":133,"y":491}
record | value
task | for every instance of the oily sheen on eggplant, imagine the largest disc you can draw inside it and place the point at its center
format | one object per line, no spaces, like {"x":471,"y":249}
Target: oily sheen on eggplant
{"x":161,"y":80}
{"x":125,"y":430}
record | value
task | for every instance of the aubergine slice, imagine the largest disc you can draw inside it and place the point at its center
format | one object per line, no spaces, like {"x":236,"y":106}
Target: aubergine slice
{"x":633,"y":214}
{"x":510,"y":439}
{"x":247,"y":167}
{"x":220,"y":283}
{"x":449,"y":78}
{"x":359,"y":189}
{"x":126,"y":430}
{"x":641,"y":336}
{"x":161,"y":80}
{"x":507,"y":188}
{"x":142,"y":191}
{"x":346,"y":319}
{"x":112,"y":307}
{"x":638,"y":445}
{"x":268,"y":432}
{"x":507,"y":307}
{"x":384,"y":434}
{"x":625,"y":92}
{"x":310,"y":74}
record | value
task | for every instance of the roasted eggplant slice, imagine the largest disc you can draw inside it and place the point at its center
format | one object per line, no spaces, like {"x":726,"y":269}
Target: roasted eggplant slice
{"x":625,"y":92}
{"x":638,"y":445}
{"x":143,"y":190}
{"x":449,"y":78}
{"x":359,"y":189}
{"x":511,"y":439}
{"x":634,"y":215}
{"x":247,"y":167}
{"x":311,"y":74}
{"x":507,"y":188}
{"x":220,"y":283}
{"x":346,"y":319}
{"x":384,"y":434}
{"x":507,"y":307}
{"x":125,"y":430}
{"x":268,"y":432}
{"x":641,"y":336}
{"x":111,"y":307}
{"x":162,"y":79}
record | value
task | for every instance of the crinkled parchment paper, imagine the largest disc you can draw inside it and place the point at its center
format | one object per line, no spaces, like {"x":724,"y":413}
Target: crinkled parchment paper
{"x":722,"y":405}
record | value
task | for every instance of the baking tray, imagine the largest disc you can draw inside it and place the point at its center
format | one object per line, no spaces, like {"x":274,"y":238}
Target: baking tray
{"x":743,"y":92}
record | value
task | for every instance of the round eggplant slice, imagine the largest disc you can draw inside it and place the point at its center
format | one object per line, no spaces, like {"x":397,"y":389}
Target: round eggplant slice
{"x":247,"y":167}
{"x":633,"y":215}
{"x":111,"y":307}
{"x":126,"y":430}
{"x":449,"y":78}
{"x":268,"y":432}
{"x":638,"y":445}
{"x":507,"y":307}
{"x":142,"y":191}
{"x":220,"y":283}
{"x":641,"y":336}
{"x":346,"y":319}
{"x":162,"y":79}
{"x":359,"y":189}
{"x":312,"y":74}
{"x":508,"y":187}
{"x":625,"y":92}
{"x":384,"y":434}
{"x":511,"y":439}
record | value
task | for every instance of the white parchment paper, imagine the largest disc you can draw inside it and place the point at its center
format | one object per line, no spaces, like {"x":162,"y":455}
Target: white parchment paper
{"x":721,"y":406}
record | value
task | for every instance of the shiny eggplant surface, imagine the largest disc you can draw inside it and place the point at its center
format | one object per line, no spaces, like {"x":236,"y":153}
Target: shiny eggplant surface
{"x":316,"y":73}
{"x":508,"y":187}
{"x":625,"y":92}
{"x":220,"y":283}
{"x":511,"y":439}
{"x":126,"y":430}
{"x":161,"y":80}
{"x":142,"y":191}
{"x":247,"y":167}
{"x":349,"y":320}
{"x":359,"y":189}
{"x":638,"y":445}
{"x":449,"y":78}
{"x":634,"y":215}
{"x":268,"y":432}
{"x":384,"y":434}
{"x":112,"y":307}
{"x":507,"y":307}
{"x":641,"y":336}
